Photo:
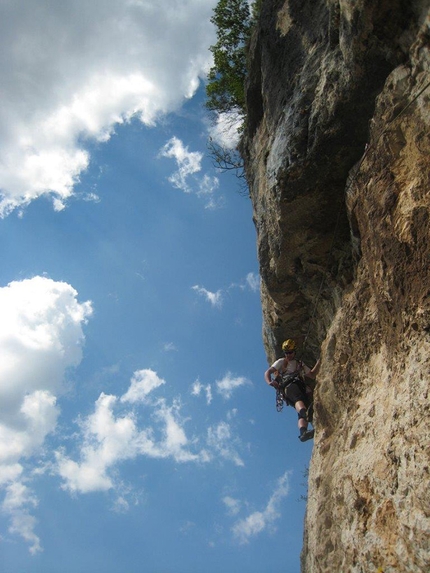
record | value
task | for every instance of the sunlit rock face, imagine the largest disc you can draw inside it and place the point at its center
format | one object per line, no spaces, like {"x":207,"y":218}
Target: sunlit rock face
{"x":337,"y":153}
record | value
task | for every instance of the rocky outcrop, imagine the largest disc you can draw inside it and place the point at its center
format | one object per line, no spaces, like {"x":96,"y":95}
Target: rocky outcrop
{"x":337,"y":154}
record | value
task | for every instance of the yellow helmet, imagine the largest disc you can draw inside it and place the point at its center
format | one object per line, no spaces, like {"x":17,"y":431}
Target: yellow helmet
{"x":288,"y":345}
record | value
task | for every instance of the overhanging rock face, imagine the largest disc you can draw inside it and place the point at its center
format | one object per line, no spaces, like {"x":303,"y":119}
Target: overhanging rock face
{"x":316,"y":68}
{"x":337,"y":156}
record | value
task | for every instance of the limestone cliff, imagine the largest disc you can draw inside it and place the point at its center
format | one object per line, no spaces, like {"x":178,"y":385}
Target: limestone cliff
{"x":337,"y":156}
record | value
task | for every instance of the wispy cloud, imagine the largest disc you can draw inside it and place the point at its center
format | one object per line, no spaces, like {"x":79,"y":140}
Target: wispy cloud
{"x":41,"y":337}
{"x":251,"y":282}
{"x":207,"y":187}
{"x":188,"y":163}
{"x":221,"y":440}
{"x":215,"y":298}
{"x":227,"y":385}
{"x":17,"y":504}
{"x":233,"y":505}
{"x":197,"y":388}
{"x":259,"y":521}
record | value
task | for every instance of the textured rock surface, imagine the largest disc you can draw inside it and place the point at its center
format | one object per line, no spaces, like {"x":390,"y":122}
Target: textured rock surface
{"x":316,"y":68}
{"x":344,"y":240}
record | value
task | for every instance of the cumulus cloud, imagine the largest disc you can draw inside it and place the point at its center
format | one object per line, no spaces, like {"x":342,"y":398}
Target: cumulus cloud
{"x":72,"y":72}
{"x":215,"y":298}
{"x":111,"y":435}
{"x":41,"y":337}
{"x":106,"y":441}
{"x":259,"y":521}
{"x":108,"y":437}
{"x":229,"y":383}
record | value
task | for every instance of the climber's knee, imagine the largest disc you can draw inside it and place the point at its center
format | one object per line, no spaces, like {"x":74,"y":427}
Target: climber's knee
{"x":302,"y":414}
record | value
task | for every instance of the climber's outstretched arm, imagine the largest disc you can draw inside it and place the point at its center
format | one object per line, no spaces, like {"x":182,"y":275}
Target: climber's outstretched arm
{"x":314,"y":372}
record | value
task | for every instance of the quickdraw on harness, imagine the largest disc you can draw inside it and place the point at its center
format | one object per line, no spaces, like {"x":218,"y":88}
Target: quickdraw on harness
{"x":284,"y":380}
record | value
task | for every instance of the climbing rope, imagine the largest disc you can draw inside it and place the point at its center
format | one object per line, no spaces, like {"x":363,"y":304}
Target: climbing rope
{"x":349,"y":184}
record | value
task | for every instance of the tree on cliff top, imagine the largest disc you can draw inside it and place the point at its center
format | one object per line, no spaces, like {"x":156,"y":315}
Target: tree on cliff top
{"x":225,"y":89}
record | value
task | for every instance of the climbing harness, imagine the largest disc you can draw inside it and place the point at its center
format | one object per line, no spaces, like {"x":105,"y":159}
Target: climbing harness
{"x":284,"y":380}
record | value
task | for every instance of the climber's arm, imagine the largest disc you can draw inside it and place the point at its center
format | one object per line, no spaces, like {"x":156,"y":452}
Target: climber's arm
{"x":314,"y":372}
{"x":268,"y":377}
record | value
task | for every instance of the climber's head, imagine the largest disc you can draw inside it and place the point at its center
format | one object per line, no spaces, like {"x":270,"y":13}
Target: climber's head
{"x":289,"y":347}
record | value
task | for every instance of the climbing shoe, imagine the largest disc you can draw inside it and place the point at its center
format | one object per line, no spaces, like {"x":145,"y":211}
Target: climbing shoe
{"x":308,"y":435}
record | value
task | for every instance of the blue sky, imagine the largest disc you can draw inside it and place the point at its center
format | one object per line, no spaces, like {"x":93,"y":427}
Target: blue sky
{"x":137,"y":433}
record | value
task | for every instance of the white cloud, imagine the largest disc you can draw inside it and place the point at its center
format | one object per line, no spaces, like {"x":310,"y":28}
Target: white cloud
{"x":258,"y":521}
{"x":111,"y":435}
{"x":188,"y":162}
{"x":207,"y":185}
{"x":175,"y":442}
{"x":197,"y":388}
{"x":220,"y":439}
{"x":225,"y":130}
{"x":253,"y":281}
{"x":40,"y":338}
{"x":233,"y":505}
{"x":208,"y":392}
{"x":229,"y":383}
{"x":231,"y":414}
{"x":107,"y":439}
{"x":215,"y":298}
{"x":142,"y":383}
{"x":72,"y":71}
{"x":17,"y":504}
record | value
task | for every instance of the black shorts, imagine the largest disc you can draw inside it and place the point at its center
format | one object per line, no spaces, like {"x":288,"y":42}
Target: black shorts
{"x":296,"y":392}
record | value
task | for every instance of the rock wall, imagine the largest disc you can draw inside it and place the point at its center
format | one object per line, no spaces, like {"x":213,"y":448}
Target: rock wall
{"x":337,"y":154}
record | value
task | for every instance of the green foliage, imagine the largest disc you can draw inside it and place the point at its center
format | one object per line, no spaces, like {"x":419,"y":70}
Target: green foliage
{"x":255,"y":10}
{"x":225,"y":89}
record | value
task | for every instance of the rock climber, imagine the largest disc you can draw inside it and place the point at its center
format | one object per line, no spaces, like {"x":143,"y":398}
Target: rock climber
{"x":289,"y":381}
